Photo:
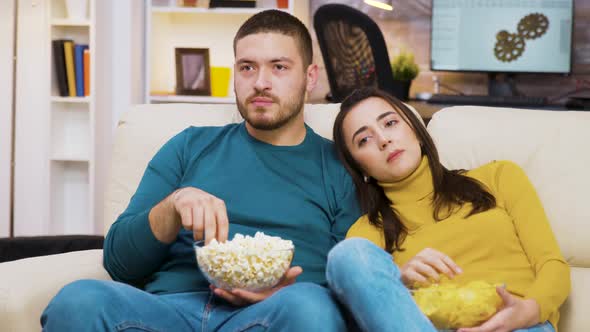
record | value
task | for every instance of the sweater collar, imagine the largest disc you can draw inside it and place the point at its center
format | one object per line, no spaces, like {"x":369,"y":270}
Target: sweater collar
{"x":413,"y":188}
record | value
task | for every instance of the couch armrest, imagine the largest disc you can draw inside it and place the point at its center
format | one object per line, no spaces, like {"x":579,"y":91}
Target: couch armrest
{"x":27,"y":285}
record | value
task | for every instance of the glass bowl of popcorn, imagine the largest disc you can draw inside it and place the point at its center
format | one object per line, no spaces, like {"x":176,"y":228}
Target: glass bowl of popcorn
{"x":450,"y":306}
{"x":254,"y":263}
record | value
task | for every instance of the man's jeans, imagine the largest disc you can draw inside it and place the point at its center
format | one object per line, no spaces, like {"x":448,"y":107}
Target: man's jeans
{"x":367,"y":282}
{"x":92,"y":305}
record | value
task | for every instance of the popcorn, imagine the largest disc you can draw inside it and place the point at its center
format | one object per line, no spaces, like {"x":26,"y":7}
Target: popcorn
{"x":246,"y":262}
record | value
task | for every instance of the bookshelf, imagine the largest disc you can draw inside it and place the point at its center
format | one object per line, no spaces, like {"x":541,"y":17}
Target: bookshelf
{"x":71,"y":132}
{"x":168,"y":25}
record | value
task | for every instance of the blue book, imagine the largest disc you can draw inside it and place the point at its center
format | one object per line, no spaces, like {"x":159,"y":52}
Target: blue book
{"x":79,"y":65}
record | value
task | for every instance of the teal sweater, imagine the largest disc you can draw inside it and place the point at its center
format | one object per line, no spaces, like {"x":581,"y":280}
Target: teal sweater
{"x":301,"y":193}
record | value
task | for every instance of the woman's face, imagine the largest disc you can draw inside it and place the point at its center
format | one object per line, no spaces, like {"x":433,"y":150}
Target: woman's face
{"x":381,"y":141}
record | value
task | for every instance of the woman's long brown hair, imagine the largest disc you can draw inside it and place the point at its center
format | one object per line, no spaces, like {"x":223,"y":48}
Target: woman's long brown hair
{"x":452,"y":189}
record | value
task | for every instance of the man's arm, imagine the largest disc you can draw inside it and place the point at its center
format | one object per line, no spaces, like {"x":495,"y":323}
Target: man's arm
{"x":164,"y":221}
{"x":137,"y":243}
{"x":132,"y":251}
{"x":348,"y":209}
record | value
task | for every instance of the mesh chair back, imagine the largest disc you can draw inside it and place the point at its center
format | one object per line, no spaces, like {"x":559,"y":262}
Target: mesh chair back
{"x":353,"y":49}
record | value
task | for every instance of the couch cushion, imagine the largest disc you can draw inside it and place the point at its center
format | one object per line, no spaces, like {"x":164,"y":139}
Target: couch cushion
{"x":574,"y":312}
{"x":551,"y":146}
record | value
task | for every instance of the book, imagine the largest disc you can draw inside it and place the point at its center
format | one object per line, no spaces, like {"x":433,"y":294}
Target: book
{"x":86,"y":72}
{"x":79,"y":67}
{"x":70,"y":69}
{"x":60,"y":66}
{"x":232,"y":3}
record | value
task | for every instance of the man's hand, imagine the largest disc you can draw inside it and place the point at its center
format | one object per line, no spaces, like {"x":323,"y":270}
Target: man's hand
{"x":202,"y":213}
{"x":427,"y":265}
{"x":240,"y":297}
{"x":516,"y":314}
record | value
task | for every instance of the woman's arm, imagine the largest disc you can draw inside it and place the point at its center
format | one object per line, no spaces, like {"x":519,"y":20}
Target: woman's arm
{"x":552,"y":283}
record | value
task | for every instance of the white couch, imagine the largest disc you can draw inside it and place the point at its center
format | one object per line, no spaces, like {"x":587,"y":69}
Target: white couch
{"x":551,"y":146}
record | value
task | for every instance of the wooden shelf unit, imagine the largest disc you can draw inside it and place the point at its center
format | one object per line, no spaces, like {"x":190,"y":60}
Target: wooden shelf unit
{"x":168,"y":25}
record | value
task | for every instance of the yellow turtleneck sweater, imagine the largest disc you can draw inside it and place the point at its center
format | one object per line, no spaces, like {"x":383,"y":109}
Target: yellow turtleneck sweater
{"x":511,"y":243}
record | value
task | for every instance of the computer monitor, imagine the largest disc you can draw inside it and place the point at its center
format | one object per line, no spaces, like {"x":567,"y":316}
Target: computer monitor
{"x":501,"y":36}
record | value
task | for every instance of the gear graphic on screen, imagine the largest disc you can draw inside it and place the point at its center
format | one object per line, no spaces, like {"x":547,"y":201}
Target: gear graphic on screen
{"x":533,"y":26}
{"x":509,"y":46}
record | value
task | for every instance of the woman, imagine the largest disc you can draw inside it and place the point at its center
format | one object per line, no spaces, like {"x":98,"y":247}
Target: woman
{"x":483,"y":224}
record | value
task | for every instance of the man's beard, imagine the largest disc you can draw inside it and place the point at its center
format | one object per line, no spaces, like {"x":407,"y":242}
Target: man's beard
{"x":285,"y":114}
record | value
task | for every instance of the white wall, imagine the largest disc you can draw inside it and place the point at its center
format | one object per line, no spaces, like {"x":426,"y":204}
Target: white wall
{"x":127,"y":54}
{"x":32,"y":139}
{"x":6,"y":75}
{"x":119,"y":66}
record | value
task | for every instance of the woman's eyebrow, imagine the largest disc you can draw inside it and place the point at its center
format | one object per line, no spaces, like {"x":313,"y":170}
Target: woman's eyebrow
{"x":363,"y":128}
{"x":360,"y":130}
{"x":384,"y":115}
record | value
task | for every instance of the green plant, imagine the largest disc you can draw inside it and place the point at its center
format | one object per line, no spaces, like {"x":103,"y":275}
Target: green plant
{"x":404,"y":67}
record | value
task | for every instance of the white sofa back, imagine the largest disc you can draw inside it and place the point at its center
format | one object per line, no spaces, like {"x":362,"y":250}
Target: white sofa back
{"x":552,"y":147}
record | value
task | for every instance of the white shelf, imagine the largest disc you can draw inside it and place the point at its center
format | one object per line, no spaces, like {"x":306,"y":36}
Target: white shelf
{"x":192,"y":99}
{"x":57,"y":99}
{"x":65,"y":22}
{"x":196,"y":10}
{"x":71,"y":158}
{"x":72,"y":132}
{"x":71,"y":210}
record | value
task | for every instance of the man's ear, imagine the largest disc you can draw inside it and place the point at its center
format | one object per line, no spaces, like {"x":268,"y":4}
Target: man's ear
{"x":312,"y":77}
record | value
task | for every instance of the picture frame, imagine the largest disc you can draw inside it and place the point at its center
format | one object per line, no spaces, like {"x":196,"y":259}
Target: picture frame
{"x":192,"y":71}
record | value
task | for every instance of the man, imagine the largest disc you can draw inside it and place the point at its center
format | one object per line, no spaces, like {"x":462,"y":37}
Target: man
{"x":270,"y":173}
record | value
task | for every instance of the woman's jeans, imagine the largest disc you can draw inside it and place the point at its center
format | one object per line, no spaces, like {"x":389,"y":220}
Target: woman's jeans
{"x":367,"y":282}
{"x":93,"y":305}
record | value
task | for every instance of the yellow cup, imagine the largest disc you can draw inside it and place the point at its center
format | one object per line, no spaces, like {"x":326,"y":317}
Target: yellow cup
{"x":220,"y":81}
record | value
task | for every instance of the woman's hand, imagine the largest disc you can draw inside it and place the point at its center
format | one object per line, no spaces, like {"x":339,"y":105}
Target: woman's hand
{"x":241,"y":297}
{"x":516,"y":314}
{"x":427,"y":265}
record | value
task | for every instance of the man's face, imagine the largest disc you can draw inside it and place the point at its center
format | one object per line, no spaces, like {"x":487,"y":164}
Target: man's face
{"x":270,"y":81}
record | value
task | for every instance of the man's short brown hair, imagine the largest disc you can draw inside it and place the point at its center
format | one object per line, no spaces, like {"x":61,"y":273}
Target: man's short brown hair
{"x":278,"y":21}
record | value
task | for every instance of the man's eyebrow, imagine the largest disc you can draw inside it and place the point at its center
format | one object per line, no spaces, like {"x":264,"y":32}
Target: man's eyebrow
{"x":363,"y":128}
{"x":244,"y":60}
{"x":273,"y":60}
{"x":282,"y":59}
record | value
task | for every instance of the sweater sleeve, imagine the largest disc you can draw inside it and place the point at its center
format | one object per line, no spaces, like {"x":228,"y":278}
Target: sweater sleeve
{"x":364,"y":229}
{"x":347,"y":211}
{"x":552,"y":283}
{"x":131,"y":250}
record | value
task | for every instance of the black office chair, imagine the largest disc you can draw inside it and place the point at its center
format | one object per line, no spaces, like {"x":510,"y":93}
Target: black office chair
{"x":354,"y":51}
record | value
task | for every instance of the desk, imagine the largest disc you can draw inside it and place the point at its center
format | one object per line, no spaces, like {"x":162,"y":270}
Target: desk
{"x":425,"y":109}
